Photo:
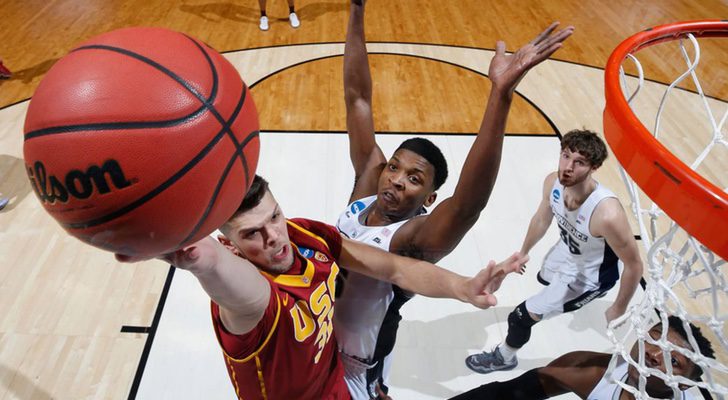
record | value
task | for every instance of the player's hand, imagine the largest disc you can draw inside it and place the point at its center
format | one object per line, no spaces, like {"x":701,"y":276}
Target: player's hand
{"x":507,"y":70}
{"x":196,"y":258}
{"x":516,"y":263}
{"x":481,"y":287}
{"x":614,"y":312}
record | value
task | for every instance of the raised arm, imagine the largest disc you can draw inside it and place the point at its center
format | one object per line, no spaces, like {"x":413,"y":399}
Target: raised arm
{"x":576,"y":372}
{"x":452,"y":218}
{"x":232,"y":282}
{"x":428,"y":279}
{"x":610,"y":221}
{"x":541,"y":220}
{"x":365,"y":154}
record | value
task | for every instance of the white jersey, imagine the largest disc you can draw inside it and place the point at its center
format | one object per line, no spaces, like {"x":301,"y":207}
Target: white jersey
{"x":608,"y":389}
{"x":578,"y":254}
{"x":364,"y":301}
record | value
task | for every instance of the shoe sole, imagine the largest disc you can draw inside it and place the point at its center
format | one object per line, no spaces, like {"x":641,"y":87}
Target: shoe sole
{"x":483,"y":370}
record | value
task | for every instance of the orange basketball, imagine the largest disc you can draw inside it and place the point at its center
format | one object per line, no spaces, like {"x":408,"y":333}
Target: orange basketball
{"x":141,"y":141}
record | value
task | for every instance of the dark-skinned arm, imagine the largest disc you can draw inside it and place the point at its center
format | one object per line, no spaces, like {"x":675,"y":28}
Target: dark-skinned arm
{"x":366,"y":156}
{"x":438,"y":234}
{"x":576,"y":372}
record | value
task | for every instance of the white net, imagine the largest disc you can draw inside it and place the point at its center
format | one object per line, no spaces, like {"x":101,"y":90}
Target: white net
{"x":683,"y":277}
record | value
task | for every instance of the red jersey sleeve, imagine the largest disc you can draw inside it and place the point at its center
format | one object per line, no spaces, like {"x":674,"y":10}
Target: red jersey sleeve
{"x":241,"y":346}
{"x":329,"y":233}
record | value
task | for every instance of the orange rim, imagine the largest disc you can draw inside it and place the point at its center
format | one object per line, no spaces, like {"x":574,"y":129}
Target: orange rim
{"x":698,"y":206}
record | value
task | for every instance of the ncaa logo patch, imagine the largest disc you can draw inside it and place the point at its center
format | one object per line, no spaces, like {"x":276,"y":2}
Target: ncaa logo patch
{"x":321,"y":257}
{"x":556,"y":194}
{"x":357,"y":207}
{"x":306,"y":253}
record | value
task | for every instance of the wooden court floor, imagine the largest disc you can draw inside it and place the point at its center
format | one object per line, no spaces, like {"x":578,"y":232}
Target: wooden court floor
{"x":74,"y":323}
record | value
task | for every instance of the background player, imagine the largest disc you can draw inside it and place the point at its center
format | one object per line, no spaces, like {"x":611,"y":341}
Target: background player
{"x":387,"y":204}
{"x":584,"y":372}
{"x":272,"y":295}
{"x":583,"y":264}
{"x":292,"y":17}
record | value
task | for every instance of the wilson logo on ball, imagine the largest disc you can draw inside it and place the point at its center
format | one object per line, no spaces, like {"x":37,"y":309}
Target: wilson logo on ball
{"x":77,"y":183}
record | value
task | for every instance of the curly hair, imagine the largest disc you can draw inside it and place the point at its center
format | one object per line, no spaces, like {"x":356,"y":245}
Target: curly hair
{"x":587,"y":143}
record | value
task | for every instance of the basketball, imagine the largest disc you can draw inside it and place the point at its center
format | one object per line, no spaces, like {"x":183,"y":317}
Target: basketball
{"x":141,"y":141}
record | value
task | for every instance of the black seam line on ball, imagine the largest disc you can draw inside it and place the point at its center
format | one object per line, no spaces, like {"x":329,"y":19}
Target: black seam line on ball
{"x":226,"y":123}
{"x":213,"y":198}
{"x":206,"y":105}
{"x":114,"y":126}
{"x":159,"y":189}
{"x":136,"y":124}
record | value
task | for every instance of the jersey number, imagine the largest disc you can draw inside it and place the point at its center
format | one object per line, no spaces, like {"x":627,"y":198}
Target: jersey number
{"x":319,"y":311}
{"x":569,"y":241}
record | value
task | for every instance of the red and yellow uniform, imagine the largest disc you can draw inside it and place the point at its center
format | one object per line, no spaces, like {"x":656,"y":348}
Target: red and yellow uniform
{"x":291,"y":353}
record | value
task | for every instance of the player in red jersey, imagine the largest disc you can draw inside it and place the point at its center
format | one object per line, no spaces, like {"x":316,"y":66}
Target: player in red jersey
{"x":293,"y":340}
{"x":273,"y":302}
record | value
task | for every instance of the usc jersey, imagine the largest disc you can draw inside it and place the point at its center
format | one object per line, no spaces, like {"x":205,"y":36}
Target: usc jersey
{"x":292,"y":352}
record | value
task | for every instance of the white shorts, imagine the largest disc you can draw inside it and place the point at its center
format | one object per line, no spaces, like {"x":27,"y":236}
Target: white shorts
{"x":562,"y":294}
{"x":355,"y":376}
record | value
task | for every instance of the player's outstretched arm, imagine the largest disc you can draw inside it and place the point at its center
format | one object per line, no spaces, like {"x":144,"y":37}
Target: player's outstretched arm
{"x":541,"y":220}
{"x":232,"y":282}
{"x":576,"y":372}
{"x":425,"y":278}
{"x":450,"y":220}
{"x":365,"y":154}
{"x":610,"y":221}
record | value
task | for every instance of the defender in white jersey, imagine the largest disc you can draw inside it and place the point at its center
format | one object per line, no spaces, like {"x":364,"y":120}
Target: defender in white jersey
{"x":367,"y":304}
{"x":392,"y":194}
{"x":584,"y":373}
{"x":583,"y":264}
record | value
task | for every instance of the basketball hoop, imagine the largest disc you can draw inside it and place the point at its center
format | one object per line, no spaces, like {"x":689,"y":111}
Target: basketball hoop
{"x":682,"y":216}
{"x":698,"y":206}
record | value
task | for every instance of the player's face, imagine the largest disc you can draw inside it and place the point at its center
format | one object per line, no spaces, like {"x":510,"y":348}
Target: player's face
{"x":574,"y":168}
{"x":405,"y":185}
{"x":262,"y":237}
{"x":654,"y":358}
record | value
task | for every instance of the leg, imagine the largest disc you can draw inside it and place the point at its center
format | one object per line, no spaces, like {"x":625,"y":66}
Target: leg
{"x":586,"y":298}
{"x":520,"y":322}
{"x":503,"y":357}
{"x":547,"y":302}
{"x":292,"y":17}
{"x":263,"y":17}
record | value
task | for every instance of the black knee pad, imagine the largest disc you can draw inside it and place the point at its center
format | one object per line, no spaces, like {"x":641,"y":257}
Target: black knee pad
{"x":519,"y":326}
